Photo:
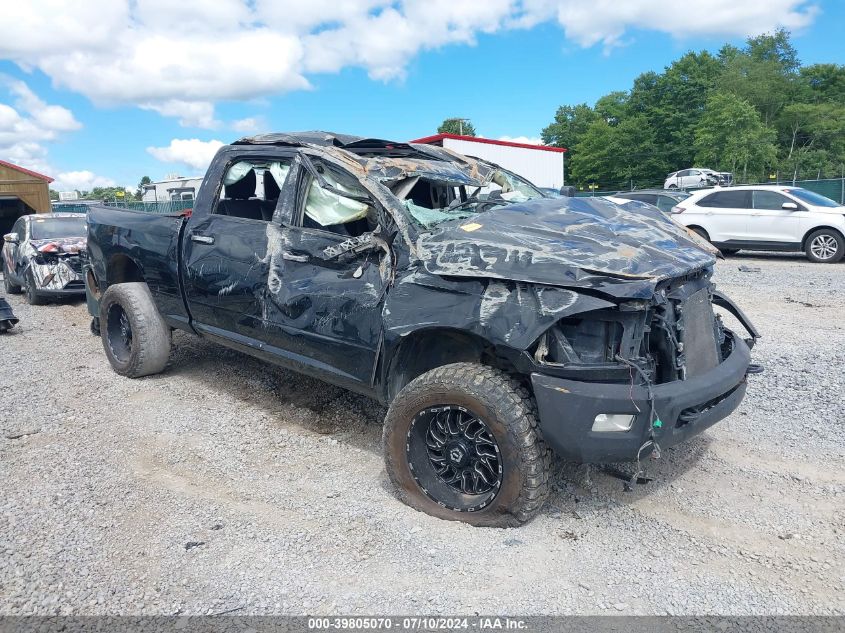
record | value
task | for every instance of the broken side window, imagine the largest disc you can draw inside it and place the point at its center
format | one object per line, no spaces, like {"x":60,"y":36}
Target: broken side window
{"x":509,"y":187}
{"x":251,"y":188}
{"x":431,"y":202}
{"x":429,"y":218}
{"x":328,"y":210}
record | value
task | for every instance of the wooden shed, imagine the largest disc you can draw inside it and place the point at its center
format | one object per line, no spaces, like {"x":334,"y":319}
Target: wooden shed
{"x":22,"y":191}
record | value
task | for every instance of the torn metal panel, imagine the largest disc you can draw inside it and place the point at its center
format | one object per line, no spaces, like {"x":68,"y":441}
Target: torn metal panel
{"x":512,"y":314}
{"x":570,"y":242}
{"x":56,"y":264}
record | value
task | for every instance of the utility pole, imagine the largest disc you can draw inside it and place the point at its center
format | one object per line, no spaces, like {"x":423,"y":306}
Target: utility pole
{"x":460,"y":124}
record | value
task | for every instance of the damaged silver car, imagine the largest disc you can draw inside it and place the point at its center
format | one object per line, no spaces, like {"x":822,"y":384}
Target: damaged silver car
{"x":41,"y":256}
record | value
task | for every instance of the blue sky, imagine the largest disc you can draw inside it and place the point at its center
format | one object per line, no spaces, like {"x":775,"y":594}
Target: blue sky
{"x":79,"y":112}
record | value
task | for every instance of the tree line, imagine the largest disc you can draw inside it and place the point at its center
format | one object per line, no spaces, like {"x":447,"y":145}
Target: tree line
{"x":108,"y":193}
{"x":754,"y":110}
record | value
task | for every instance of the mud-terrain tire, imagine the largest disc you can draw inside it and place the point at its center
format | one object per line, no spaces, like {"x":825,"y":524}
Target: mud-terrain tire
{"x":825,"y":246}
{"x":32,"y":296}
{"x":135,"y":337}
{"x":11,"y":289}
{"x":470,"y":393}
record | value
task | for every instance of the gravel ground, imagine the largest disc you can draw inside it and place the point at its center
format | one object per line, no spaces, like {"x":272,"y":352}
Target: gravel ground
{"x":228,"y":484}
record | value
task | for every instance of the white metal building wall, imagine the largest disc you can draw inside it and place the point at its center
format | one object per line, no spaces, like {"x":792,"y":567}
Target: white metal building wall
{"x":543,"y":168}
{"x":158,"y":191}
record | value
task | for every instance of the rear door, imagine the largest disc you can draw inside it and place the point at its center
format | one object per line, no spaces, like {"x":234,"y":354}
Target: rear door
{"x":695,"y":178}
{"x":225,"y":244}
{"x":770,"y":222}
{"x":724,"y":214}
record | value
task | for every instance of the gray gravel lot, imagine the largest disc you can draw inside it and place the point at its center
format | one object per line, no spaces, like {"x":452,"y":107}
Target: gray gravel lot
{"x":228,"y":484}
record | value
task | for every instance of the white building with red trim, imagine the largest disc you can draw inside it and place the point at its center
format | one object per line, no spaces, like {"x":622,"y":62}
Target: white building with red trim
{"x":541,"y":164}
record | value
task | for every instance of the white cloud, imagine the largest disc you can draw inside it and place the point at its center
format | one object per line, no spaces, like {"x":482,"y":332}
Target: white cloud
{"x":191,"y":152}
{"x":179,"y":59}
{"x":81,"y":180}
{"x":531,"y":140}
{"x":27,"y":125}
{"x":249,"y":125}
{"x":191,"y":113}
{"x":606,"y":21}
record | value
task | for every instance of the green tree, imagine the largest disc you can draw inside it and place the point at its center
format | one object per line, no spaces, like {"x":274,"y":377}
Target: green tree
{"x":569,"y":127}
{"x":673,"y":102}
{"x":764,"y":73}
{"x":617,"y":156}
{"x":139,"y":192}
{"x":105,"y":193}
{"x":824,"y":82}
{"x":812,"y":138}
{"x":613,"y":107}
{"x":54,"y":195}
{"x":730,"y":136}
{"x":463,"y":127}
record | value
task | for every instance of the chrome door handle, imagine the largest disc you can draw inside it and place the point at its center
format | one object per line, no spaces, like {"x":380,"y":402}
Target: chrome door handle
{"x":202,"y":239}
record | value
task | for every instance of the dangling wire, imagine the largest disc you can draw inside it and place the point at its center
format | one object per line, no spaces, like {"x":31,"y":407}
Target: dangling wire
{"x":654,"y":420}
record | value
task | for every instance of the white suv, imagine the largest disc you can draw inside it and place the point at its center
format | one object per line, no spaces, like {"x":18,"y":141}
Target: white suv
{"x":691,"y":178}
{"x":767,"y":218}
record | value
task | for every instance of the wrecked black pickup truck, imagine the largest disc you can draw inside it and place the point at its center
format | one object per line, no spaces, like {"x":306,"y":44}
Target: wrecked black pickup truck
{"x":499,"y":325}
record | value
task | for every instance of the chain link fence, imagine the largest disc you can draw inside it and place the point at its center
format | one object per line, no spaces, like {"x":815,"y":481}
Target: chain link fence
{"x":164,"y":207}
{"x":833,"y":188}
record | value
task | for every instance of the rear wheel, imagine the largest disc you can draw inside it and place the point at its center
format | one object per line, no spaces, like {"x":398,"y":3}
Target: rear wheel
{"x":825,"y":246}
{"x":135,"y":337}
{"x":461,"y":443}
{"x":11,"y":288}
{"x":32,"y":296}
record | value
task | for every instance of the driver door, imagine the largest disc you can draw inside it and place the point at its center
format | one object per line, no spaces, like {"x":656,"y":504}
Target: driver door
{"x":324,"y":299}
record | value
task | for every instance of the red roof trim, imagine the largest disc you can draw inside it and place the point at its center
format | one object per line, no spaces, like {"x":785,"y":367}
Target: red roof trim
{"x":489,"y":141}
{"x":26,"y":171}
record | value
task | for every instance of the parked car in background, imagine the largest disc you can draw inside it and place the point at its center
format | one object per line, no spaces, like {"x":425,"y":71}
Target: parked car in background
{"x":696,"y":177}
{"x":41,"y":256}
{"x":767,"y":217}
{"x":663,"y":199}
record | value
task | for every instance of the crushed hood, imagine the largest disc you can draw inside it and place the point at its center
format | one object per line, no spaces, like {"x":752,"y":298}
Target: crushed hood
{"x":568,"y":242}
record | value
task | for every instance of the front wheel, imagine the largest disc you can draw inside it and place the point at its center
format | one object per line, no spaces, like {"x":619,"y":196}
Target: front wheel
{"x":135,"y":337}
{"x":461,"y":443}
{"x":32,"y":296}
{"x":673,"y":186}
{"x":825,"y":246}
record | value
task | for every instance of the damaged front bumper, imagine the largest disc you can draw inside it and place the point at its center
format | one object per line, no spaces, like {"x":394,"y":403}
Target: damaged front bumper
{"x":58,"y":278}
{"x":568,"y":409}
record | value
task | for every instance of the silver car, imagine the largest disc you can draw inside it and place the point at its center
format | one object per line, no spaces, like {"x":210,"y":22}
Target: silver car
{"x":41,"y":256}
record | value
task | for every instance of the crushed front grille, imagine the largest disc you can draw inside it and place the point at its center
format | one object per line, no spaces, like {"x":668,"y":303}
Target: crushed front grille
{"x":699,"y":334}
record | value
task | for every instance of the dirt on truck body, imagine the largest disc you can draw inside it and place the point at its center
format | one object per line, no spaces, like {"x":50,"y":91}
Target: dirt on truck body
{"x":499,"y":325}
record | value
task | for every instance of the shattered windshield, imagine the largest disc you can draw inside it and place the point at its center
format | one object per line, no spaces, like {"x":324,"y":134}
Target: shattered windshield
{"x":431,"y":202}
{"x":54,"y":228}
